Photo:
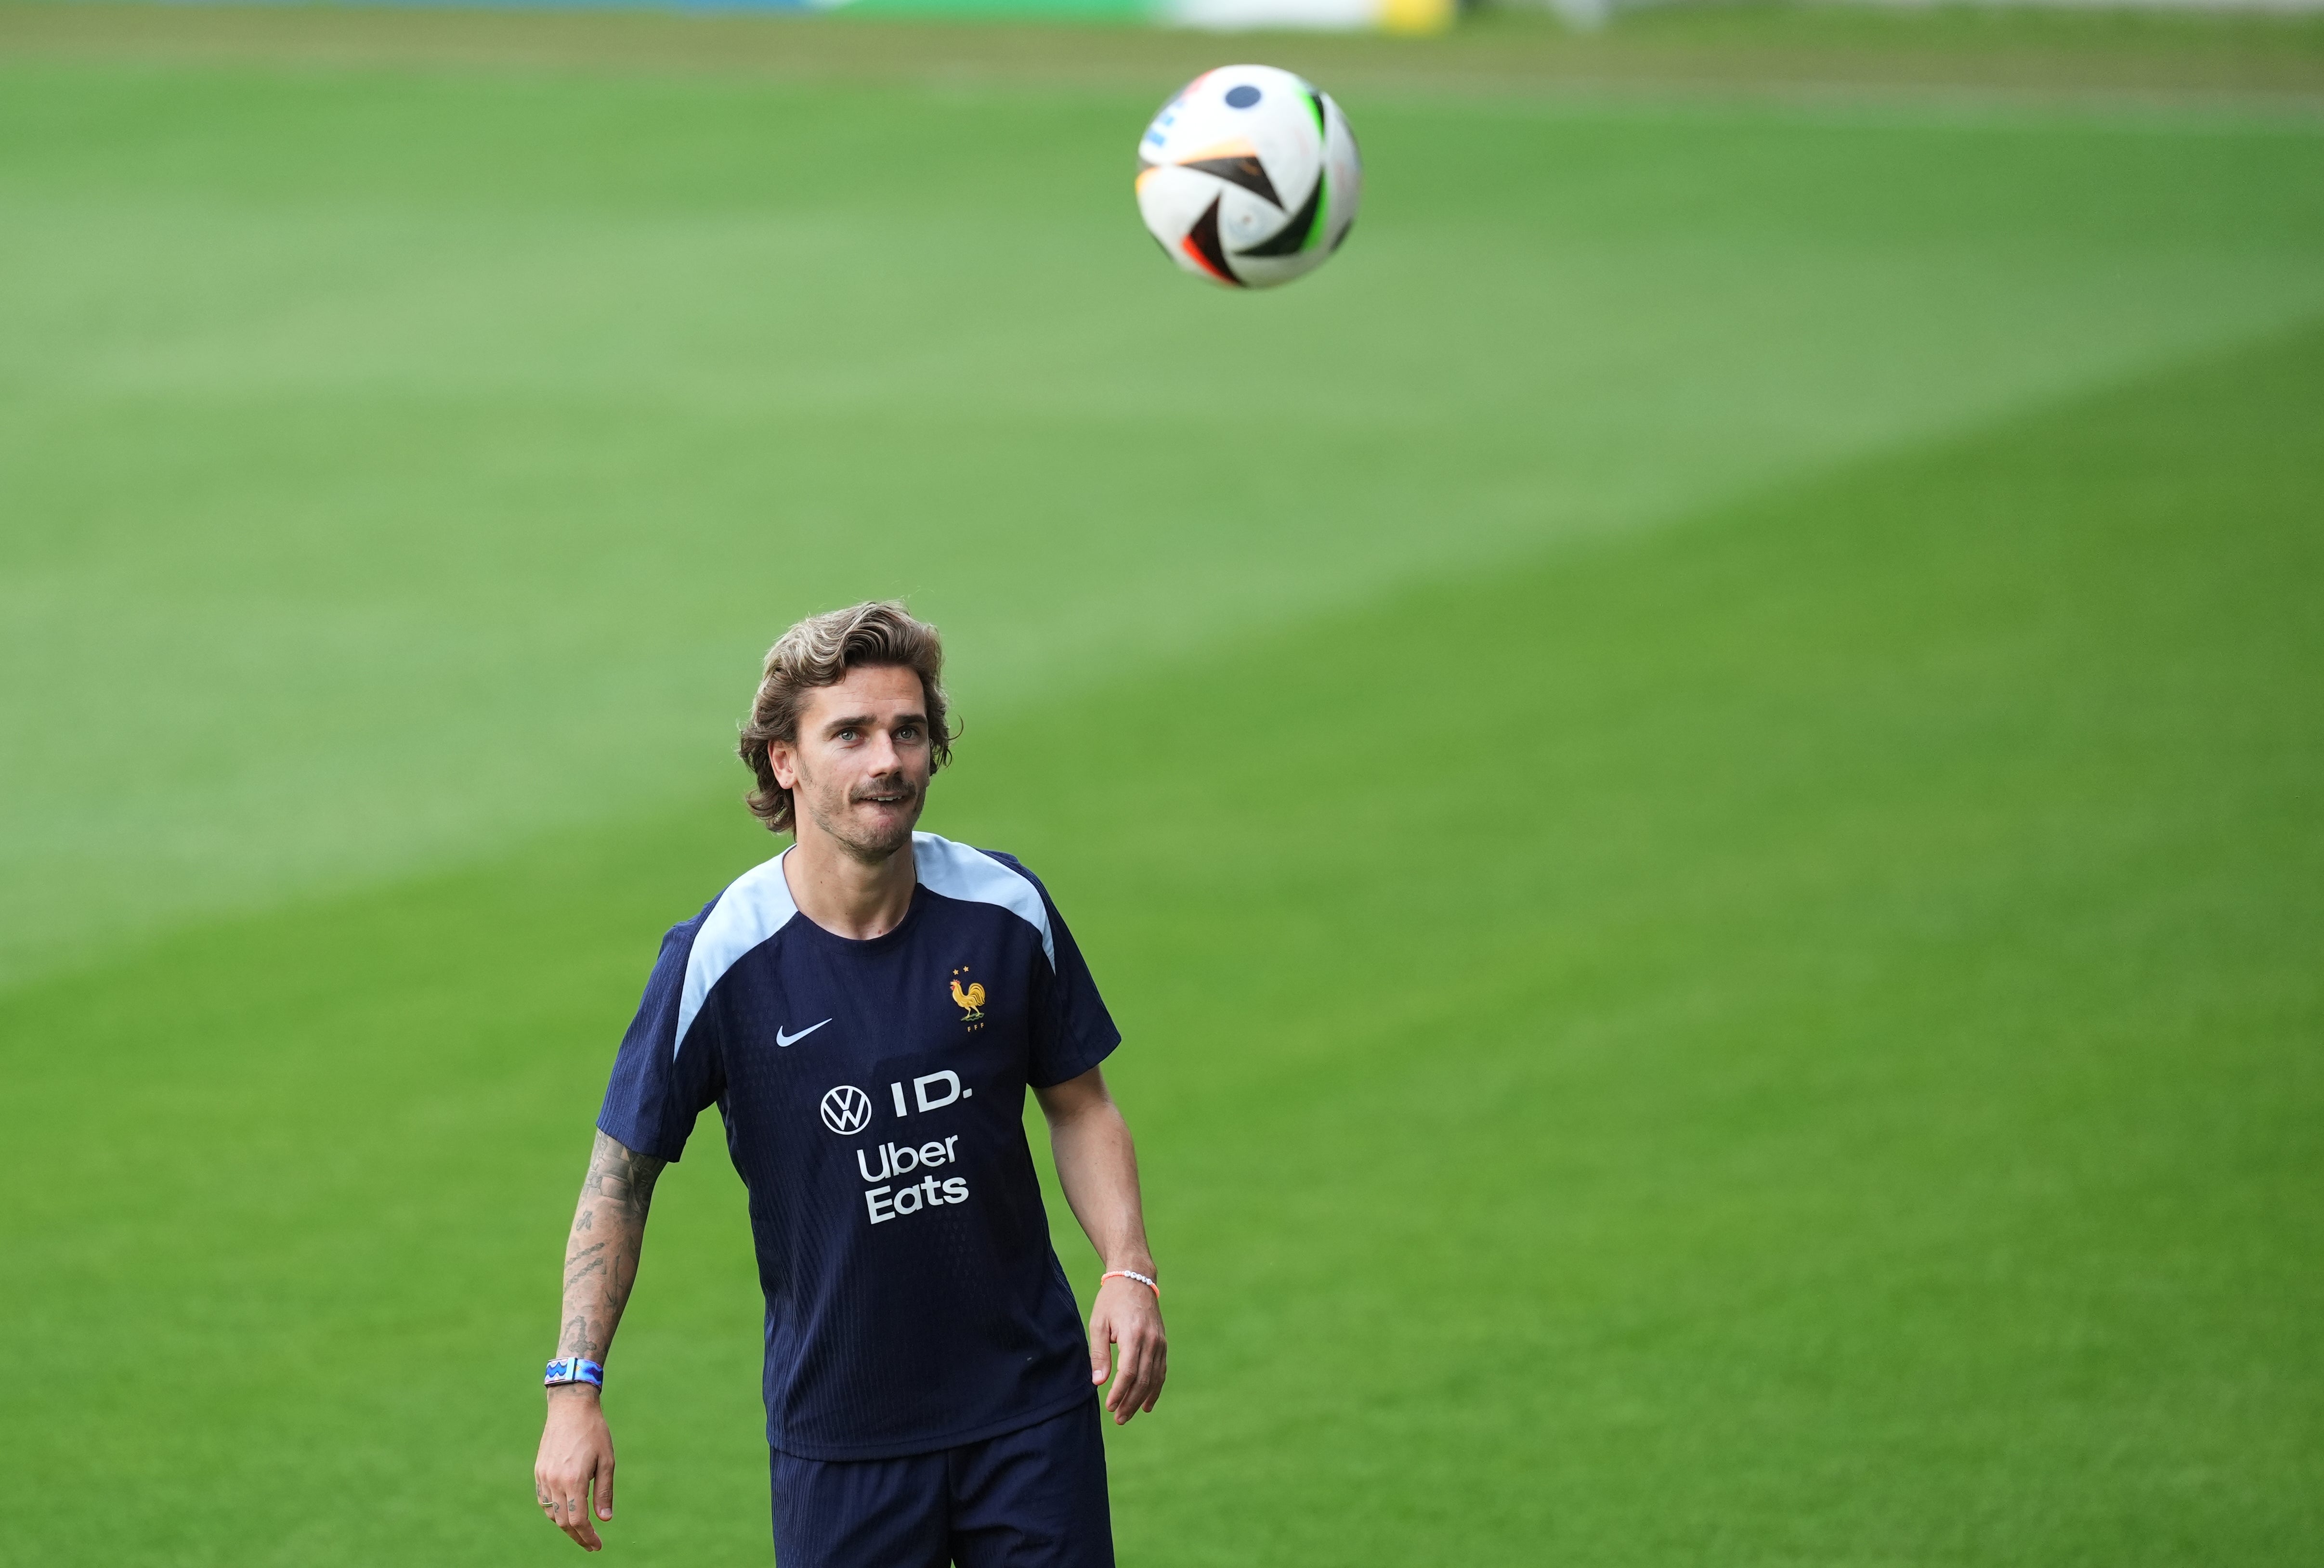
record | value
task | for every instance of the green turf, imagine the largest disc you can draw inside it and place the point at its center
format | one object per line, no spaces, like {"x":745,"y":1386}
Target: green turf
{"x":368,"y":438}
{"x":1693,"y":773}
{"x":1760,"y":50}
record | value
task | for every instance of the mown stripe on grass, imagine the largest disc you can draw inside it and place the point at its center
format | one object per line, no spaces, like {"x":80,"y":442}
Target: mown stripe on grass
{"x":372,"y":437}
{"x":1789,"y":1040}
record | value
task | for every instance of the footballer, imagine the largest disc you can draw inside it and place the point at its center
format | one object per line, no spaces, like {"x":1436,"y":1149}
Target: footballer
{"x":867,"y":1010}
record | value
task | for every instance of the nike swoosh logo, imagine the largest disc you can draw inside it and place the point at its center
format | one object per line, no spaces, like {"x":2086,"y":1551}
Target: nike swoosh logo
{"x":782,"y":1039}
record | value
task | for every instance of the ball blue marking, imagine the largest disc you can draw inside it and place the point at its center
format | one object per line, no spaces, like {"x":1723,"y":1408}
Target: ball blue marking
{"x":1241,"y":97}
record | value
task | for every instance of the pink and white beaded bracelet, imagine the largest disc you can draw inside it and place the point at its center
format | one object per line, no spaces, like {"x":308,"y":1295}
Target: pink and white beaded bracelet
{"x":1128,"y":1274}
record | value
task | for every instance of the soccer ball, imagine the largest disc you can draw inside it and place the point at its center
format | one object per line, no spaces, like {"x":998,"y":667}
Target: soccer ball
{"x":1249,"y":177}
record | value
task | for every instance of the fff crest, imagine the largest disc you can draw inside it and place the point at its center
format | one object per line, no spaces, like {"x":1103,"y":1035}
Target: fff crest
{"x":969,"y":1000}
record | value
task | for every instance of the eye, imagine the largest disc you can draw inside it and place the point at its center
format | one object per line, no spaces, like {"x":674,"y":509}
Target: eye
{"x":850,"y":734}
{"x":908,"y":732}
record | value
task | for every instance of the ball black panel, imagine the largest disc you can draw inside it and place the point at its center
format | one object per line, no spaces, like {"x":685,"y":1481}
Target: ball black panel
{"x":1292,"y":237}
{"x":1248,"y":172}
{"x":1204,"y":237}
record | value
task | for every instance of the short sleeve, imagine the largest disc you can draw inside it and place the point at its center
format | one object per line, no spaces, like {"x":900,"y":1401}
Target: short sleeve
{"x":660,"y":1084}
{"x":1071,"y":1031}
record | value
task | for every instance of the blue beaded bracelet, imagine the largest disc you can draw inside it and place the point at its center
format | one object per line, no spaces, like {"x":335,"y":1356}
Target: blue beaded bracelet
{"x":575,"y":1370}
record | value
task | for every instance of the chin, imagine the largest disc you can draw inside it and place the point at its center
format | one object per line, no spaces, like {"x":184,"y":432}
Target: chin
{"x":884,"y":837}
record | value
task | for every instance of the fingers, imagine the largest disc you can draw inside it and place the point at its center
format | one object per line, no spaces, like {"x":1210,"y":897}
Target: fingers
{"x":556,"y":1499}
{"x":1120,"y":1400}
{"x":1101,"y":1346}
{"x":1131,"y":1320}
{"x":569,"y":1510}
{"x":1153,"y":1365}
{"x":577,"y":1525}
{"x":565,"y":1499}
{"x":1138,"y":1389}
{"x":576,"y":1452}
{"x":573,"y":1514}
{"x":1156,"y":1370}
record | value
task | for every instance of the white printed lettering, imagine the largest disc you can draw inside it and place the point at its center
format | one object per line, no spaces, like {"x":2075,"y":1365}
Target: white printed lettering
{"x":896,"y":1089}
{"x":884,"y":1203}
{"x":920,"y":1089}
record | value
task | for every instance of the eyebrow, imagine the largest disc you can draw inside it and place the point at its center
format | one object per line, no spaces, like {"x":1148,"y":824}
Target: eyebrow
{"x":866,"y":720}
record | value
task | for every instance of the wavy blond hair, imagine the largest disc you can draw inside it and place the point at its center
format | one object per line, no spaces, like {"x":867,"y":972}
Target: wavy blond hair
{"x":819,"y":651}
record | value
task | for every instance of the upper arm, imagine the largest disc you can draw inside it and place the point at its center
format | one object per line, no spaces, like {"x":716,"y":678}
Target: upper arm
{"x":661,"y":1082}
{"x":1071,"y":1029}
{"x":621,"y":1173}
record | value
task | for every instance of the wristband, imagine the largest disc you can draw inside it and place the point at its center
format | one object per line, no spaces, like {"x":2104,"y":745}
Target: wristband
{"x":1127,"y":1274}
{"x":574,"y":1370}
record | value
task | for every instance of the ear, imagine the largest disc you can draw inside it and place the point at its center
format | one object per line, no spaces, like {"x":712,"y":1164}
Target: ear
{"x":782,"y":757}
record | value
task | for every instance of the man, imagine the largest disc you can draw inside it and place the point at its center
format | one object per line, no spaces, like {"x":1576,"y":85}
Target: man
{"x":867,"y":1010}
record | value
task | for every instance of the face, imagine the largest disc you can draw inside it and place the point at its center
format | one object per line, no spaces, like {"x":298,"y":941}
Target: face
{"x":859,"y":770}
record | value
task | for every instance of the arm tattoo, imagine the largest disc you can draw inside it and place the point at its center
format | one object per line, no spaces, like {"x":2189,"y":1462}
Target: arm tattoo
{"x":601,"y":1256}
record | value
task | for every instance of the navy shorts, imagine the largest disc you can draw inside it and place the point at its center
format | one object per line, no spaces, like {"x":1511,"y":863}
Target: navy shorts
{"x":1034,"y":1497}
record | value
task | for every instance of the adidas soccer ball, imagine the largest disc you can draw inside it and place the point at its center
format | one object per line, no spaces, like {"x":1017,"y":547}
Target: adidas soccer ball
{"x":1248,"y":176}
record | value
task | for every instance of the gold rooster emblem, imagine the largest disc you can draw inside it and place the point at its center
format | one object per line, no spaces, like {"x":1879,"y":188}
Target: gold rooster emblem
{"x":971,"y":1001}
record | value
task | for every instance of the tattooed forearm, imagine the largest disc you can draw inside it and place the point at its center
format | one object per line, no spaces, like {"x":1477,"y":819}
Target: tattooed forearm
{"x":601,"y":1256}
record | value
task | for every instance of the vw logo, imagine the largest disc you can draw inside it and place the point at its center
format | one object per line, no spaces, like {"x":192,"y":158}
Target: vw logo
{"x":846,"y":1109}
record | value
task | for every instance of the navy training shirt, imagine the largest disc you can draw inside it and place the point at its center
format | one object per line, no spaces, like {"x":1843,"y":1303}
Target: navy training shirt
{"x":874,"y":1094}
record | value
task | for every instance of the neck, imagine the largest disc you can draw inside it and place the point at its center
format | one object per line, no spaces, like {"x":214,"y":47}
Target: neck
{"x":845,"y":894}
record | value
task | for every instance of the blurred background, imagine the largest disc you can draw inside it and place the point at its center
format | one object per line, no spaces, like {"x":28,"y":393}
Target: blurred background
{"x":1696,"y":773}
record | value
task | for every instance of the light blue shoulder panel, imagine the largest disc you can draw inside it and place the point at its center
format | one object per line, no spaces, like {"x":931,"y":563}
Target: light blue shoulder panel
{"x":755,"y":906}
{"x":957,"y":871}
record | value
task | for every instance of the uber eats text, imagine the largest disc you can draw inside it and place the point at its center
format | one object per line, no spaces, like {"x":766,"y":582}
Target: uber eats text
{"x":846,"y":1109}
{"x":884,"y":1203}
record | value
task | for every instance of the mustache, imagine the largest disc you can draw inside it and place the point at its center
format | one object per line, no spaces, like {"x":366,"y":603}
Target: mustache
{"x":886,"y":784}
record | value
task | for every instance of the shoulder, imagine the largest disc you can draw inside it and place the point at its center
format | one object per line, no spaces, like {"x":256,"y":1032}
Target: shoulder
{"x":753,"y":908}
{"x":987,"y":877}
{"x":679,"y":938}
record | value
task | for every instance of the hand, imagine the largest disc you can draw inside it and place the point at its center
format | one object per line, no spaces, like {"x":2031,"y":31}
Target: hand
{"x":577,"y":1448}
{"x":1127,"y":1314}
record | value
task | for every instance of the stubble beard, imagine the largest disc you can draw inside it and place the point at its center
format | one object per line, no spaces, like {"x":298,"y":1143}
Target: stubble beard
{"x":829,"y":809}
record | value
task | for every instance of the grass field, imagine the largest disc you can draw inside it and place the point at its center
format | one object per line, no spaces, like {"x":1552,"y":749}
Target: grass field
{"x":1694,"y":773}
